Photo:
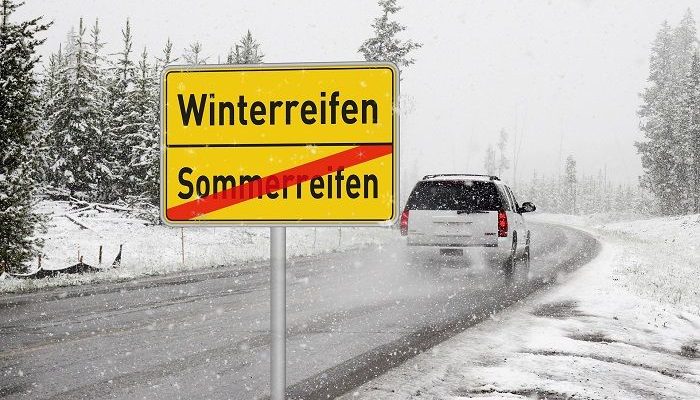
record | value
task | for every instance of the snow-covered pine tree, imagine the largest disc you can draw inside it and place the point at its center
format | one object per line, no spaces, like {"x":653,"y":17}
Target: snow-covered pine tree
{"x":193,"y":54}
{"x":124,"y":118}
{"x":570,"y":184}
{"x":656,"y":115}
{"x":160,"y":63}
{"x":692,"y":110}
{"x":143,"y":162}
{"x":384,"y":45}
{"x":667,"y":152}
{"x":164,"y":60}
{"x":51,"y":85}
{"x":19,"y":222}
{"x":76,"y":125}
{"x":503,"y":163}
{"x":47,"y":85}
{"x":247,"y":51}
{"x":98,"y":59}
{"x":101,"y":97}
{"x":48,"y":92}
{"x":167,"y":57}
{"x":619,"y":202}
{"x":684,"y":38}
{"x":490,"y":160}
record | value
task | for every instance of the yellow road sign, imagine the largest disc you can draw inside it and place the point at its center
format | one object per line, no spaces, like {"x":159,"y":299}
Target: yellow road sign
{"x":307,"y":144}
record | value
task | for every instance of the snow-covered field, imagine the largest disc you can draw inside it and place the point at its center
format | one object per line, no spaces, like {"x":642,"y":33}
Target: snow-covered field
{"x":625,"y":326}
{"x":157,"y":249}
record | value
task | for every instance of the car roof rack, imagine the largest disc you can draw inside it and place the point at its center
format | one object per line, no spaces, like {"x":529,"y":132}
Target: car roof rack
{"x":491,"y":177}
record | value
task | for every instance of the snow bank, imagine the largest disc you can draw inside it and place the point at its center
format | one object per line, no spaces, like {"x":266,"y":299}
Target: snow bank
{"x":157,"y":249}
{"x":625,"y":326}
{"x":658,"y":258}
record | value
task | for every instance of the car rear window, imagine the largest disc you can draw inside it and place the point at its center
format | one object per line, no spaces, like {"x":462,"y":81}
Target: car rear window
{"x":454,"y":195}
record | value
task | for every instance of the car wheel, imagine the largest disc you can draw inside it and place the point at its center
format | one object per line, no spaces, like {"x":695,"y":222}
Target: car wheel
{"x":509,"y":264}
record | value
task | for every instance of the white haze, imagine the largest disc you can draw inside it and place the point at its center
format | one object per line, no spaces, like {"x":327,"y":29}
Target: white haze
{"x":564,"y":76}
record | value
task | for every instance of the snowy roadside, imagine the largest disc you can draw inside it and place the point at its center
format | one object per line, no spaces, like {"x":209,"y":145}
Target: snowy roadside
{"x":157,"y":249}
{"x":625,"y":326}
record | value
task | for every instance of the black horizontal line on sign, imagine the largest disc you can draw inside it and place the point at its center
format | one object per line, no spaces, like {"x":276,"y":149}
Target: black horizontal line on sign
{"x":277,"y":144}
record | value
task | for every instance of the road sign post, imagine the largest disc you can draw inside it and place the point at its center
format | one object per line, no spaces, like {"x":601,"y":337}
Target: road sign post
{"x":278,"y":315}
{"x":280,"y":145}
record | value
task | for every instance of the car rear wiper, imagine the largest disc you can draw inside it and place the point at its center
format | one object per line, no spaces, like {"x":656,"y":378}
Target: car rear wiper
{"x":471,"y":212}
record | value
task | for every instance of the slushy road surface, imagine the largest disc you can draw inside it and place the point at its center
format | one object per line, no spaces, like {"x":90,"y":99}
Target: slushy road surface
{"x":351,"y":316}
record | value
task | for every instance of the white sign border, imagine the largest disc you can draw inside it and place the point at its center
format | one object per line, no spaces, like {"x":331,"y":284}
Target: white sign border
{"x":267,"y":223}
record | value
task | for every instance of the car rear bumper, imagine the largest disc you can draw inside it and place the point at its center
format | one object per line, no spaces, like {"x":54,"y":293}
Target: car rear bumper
{"x":451,"y":245}
{"x":453,"y":241}
{"x":491,"y":252}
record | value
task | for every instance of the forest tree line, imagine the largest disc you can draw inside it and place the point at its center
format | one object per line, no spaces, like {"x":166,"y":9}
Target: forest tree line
{"x":573,"y":192}
{"x":99,"y":130}
{"x":570,"y":191}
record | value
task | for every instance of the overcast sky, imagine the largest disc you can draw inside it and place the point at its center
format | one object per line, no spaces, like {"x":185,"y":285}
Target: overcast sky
{"x":564,"y":75}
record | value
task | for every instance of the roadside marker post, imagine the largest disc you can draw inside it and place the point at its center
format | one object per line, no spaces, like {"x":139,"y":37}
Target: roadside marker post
{"x":280,"y":145}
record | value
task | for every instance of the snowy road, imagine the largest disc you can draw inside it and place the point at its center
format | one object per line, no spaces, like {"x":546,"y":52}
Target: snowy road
{"x":351,"y":317}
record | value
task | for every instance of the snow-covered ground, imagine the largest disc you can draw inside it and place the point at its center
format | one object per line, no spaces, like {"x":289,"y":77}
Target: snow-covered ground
{"x":625,"y":326}
{"x":157,"y":249}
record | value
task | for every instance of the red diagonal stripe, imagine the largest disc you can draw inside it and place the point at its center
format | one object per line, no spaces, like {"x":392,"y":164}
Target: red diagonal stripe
{"x":295,"y":176}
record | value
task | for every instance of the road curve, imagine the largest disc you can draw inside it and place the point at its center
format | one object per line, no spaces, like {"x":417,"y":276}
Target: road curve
{"x":351,"y":317}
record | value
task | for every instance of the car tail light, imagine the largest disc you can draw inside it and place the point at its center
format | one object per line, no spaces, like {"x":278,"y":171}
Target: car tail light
{"x":502,"y":223}
{"x":404,"y":222}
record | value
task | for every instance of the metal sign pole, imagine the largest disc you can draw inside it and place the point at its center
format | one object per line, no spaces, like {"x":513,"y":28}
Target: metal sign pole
{"x":278,"y":317}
